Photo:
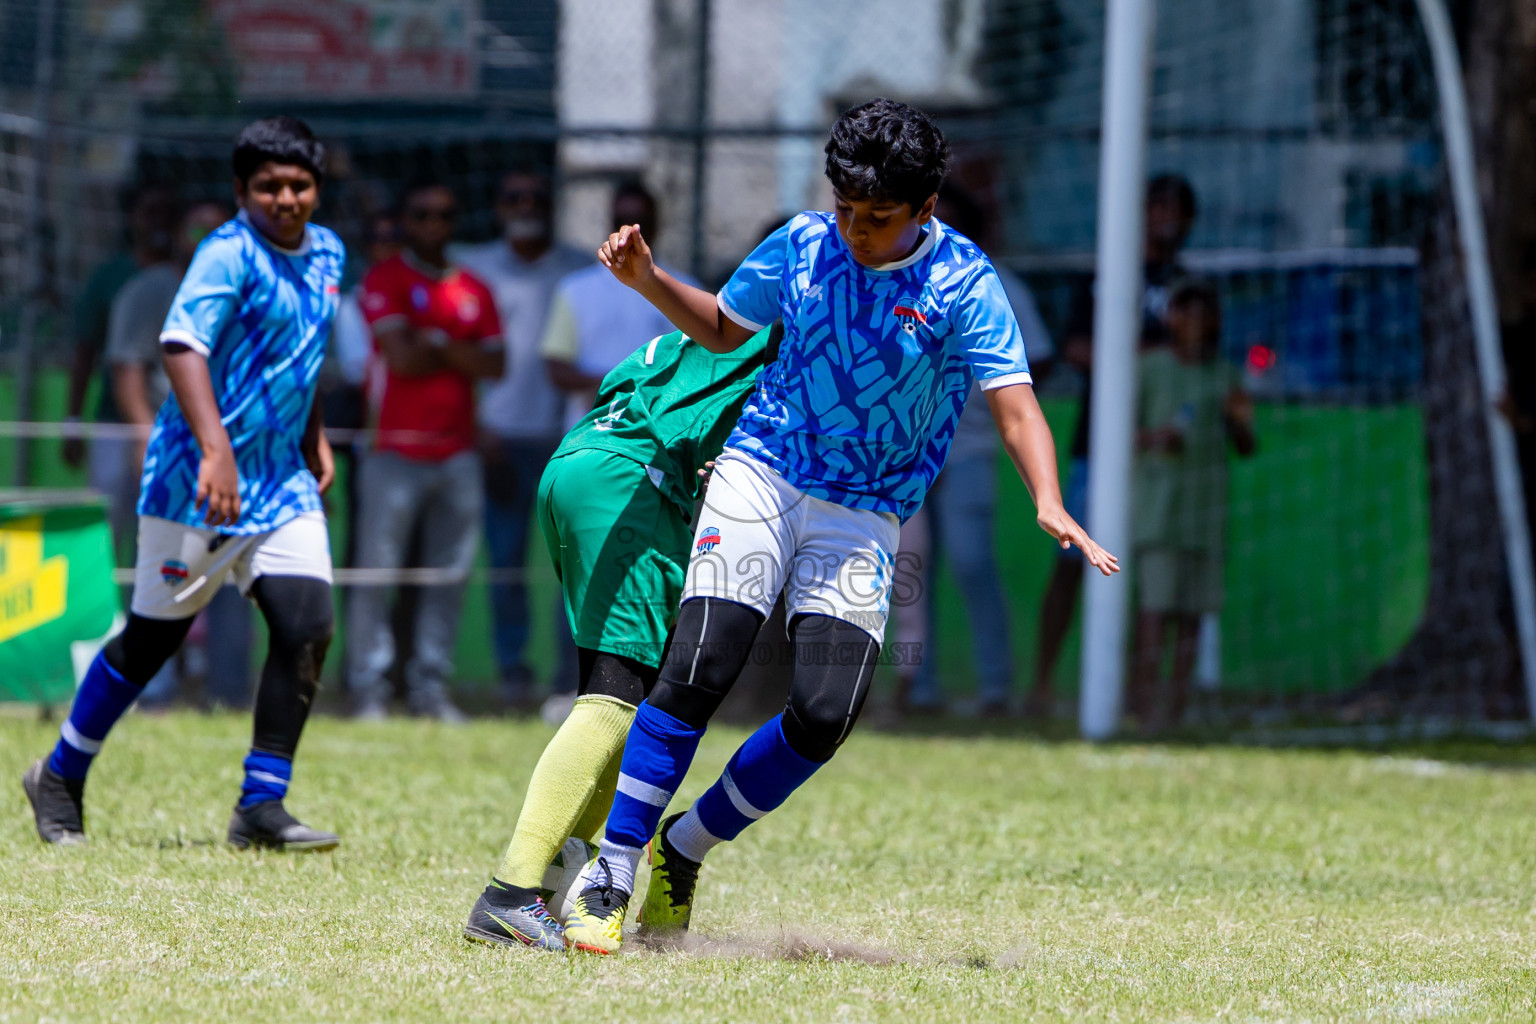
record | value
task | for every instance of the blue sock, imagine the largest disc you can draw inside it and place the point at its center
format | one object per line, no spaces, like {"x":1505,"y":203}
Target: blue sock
{"x":266,"y":778}
{"x":101,"y":700}
{"x":656,"y":757}
{"x":759,"y":777}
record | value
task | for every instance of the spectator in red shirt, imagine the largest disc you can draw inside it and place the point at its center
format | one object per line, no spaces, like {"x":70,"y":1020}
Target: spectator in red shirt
{"x":435,"y":332}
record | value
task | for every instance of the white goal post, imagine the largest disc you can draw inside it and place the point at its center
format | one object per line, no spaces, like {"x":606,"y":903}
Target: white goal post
{"x":1129,"y":27}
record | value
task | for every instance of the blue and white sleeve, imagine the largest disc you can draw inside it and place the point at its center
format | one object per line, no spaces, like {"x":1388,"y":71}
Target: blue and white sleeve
{"x":751,"y":296}
{"x":988,"y":334}
{"x":207,"y":297}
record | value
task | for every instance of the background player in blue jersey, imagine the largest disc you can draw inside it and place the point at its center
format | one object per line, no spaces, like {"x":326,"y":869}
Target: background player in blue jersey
{"x":231,"y":486}
{"x":888,"y":316}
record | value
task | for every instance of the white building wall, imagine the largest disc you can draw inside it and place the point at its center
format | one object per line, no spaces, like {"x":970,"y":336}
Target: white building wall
{"x":784,"y":63}
{"x":836,"y":53}
{"x":1234,"y":77}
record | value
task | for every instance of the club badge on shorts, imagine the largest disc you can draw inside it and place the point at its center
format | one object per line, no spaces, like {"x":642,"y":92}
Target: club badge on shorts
{"x":173,"y":571}
{"x":708,"y":538}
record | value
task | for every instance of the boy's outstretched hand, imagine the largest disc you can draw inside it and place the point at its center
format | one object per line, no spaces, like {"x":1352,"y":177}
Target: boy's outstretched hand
{"x":628,"y":256}
{"x":1064,"y":528}
{"x":1027,"y":437}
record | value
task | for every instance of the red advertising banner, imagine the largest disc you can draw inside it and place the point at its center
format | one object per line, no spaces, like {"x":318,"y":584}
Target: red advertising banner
{"x":352,"y":49}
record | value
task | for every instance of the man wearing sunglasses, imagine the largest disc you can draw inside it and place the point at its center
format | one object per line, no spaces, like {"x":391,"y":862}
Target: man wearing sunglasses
{"x":435,"y":332}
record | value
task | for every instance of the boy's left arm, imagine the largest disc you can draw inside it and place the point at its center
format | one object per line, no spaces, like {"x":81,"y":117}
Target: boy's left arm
{"x":986,"y":331}
{"x":317,"y":448}
{"x":1027,"y":438}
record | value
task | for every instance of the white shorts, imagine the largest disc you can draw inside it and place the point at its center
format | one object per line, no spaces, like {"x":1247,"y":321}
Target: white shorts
{"x":180,"y":568}
{"x":758,"y":535}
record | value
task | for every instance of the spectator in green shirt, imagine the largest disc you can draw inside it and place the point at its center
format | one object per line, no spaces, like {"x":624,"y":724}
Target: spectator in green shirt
{"x":1190,"y":404}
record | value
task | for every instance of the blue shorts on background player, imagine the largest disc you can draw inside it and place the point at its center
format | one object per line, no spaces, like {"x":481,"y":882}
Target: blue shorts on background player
{"x":231,"y":487}
{"x":889,"y":316}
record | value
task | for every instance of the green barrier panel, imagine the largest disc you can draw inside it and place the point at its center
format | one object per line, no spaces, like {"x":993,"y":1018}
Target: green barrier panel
{"x":56,"y":591}
{"x":1327,"y":558}
{"x":1327,"y":561}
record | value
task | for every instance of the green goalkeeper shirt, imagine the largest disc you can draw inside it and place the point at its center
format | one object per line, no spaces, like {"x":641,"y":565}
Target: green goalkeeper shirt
{"x":670,"y":407}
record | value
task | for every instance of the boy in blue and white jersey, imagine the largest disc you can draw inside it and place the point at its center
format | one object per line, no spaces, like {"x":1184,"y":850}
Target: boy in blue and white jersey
{"x":888,"y":317}
{"x":231,"y":487}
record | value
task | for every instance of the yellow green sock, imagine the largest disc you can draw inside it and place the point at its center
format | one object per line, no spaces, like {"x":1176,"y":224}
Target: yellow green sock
{"x":595,"y":818}
{"x":570,"y":772}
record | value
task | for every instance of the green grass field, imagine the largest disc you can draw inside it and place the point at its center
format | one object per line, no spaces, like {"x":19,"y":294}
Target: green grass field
{"x":915,"y":879}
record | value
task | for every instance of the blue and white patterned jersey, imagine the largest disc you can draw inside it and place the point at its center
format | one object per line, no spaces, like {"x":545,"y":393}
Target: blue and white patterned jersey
{"x":875,"y":364}
{"x":262,"y":315}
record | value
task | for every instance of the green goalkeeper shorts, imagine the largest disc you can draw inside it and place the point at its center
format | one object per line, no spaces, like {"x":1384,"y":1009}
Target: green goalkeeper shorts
{"x":620,"y":549}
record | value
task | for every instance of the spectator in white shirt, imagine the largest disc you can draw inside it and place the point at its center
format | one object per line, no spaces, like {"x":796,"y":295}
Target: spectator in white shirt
{"x":595,"y":321}
{"x":520,"y":414}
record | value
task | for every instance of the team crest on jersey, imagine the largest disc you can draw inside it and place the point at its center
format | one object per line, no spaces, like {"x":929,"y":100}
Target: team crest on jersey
{"x":709,"y":538}
{"x":173,"y":572}
{"x":419,"y":296}
{"x":910,"y":316}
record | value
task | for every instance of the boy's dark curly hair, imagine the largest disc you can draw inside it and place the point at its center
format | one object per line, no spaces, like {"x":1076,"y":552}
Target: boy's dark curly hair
{"x":887,"y":150}
{"x":282,"y":140}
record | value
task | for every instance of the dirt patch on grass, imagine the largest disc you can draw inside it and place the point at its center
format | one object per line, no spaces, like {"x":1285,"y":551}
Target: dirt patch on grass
{"x":794,"y":946}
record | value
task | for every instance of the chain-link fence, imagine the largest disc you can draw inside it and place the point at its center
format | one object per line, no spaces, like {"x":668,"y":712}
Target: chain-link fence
{"x":1359,"y":564}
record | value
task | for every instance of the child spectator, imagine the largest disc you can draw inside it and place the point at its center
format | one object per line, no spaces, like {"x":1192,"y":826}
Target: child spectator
{"x":1190,"y":402}
{"x":1171,"y":208}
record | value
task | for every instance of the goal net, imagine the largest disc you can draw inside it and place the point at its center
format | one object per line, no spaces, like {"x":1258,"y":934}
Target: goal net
{"x":1363,"y":566}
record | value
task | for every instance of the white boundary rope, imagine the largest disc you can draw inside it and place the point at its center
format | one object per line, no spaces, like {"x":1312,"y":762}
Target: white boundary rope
{"x":393,"y":577}
{"x":407,"y":577}
{"x":40,"y":430}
